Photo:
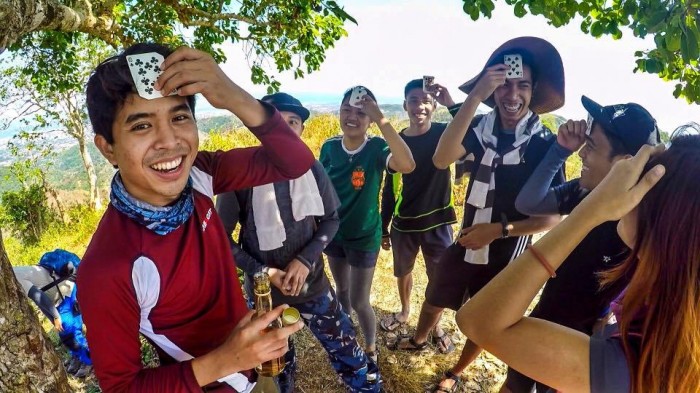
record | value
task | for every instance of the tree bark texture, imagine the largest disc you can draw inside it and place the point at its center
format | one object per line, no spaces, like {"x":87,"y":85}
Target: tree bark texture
{"x":95,"y":200}
{"x":28,"y":361}
{"x":20,"y":17}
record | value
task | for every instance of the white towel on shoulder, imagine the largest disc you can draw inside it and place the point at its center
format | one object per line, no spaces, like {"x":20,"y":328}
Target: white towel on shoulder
{"x":306,"y":201}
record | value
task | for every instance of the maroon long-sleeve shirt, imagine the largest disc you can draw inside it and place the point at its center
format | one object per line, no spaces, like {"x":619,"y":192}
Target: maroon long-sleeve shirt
{"x":179,"y":290}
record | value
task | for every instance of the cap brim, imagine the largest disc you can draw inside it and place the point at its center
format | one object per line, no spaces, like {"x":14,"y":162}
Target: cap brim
{"x":299,"y":110}
{"x":596,"y":111}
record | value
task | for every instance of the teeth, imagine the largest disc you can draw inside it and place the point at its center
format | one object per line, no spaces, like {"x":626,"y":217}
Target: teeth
{"x":351,"y":124}
{"x":511,"y":108}
{"x":166,"y":166}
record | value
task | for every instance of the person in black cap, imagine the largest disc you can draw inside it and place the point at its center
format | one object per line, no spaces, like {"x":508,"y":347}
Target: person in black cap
{"x":284,"y":228}
{"x":506,"y":145}
{"x":574,"y":298}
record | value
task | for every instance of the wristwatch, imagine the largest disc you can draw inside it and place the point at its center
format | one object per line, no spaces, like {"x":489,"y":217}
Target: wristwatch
{"x":505,"y":232}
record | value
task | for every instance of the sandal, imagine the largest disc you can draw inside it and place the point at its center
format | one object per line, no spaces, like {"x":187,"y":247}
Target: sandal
{"x":448,"y":375}
{"x":390,"y":322}
{"x":444,"y":343}
{"x":414,"y":346}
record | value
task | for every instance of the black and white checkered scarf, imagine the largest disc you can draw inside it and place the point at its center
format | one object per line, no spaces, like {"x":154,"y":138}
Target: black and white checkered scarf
{"x":479,"y":205}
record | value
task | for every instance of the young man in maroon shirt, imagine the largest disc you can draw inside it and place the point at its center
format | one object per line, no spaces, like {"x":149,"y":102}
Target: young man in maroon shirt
{"x":159,"y":263}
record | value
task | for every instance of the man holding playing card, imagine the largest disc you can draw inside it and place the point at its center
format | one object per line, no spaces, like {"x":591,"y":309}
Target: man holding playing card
{"x":507,"y":144}
{"x":159,"y":263}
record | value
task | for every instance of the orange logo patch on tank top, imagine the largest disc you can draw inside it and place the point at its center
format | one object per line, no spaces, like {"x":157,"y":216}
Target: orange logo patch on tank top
{"x":358,"y":178}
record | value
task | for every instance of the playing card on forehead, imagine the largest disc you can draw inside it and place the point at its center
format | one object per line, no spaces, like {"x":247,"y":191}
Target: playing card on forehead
{"x":515,"y":65}
{"x":428,"y":82}
{"x":356,"y":96}
{"x":145,"y":70}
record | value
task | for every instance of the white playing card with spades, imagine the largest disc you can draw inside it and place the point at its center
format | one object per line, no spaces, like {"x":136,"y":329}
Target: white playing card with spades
{"x":145,"y":70}
{"x":515,"y":66}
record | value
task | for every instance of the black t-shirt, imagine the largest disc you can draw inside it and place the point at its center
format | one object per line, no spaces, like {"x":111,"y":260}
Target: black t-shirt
{"x":426,"y":193}
{"x":574,"y":298}
{"x":509,"y":180}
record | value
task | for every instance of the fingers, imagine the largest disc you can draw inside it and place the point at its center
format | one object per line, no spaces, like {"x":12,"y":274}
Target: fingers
{"x":647,"y":181}
{"x":180,"y":54}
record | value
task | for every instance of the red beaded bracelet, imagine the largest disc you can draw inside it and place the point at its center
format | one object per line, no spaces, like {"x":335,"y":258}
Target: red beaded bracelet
{"x":542,"y":260}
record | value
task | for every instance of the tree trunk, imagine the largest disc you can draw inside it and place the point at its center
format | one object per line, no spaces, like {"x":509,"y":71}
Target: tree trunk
{"x":20,"y":17}
{"x":95,"y":200}
{"x":28,"y":362}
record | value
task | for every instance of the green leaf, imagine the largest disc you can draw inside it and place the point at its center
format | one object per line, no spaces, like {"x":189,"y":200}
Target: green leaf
{"x":689,"y":47}
{"x":519,"y":9}
{"x":673,"y":40}
{"x":597,"y":29}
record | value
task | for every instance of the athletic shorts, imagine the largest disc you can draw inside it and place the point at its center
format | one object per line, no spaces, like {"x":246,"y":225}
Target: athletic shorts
{"x":432,"y":243}
{"x":356,"y":258}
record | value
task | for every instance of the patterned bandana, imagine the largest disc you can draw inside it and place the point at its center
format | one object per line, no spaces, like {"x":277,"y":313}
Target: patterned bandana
{"x":161,"y":220}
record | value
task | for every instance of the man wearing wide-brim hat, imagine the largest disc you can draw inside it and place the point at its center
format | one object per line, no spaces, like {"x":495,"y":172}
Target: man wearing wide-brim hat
{"x":506,"y":144}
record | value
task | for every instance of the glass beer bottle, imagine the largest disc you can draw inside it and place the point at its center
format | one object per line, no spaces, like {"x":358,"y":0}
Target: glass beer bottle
{"x":263,"y":304}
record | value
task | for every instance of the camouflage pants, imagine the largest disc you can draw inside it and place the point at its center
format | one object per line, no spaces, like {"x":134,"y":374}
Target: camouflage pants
{"x":333,"y":328}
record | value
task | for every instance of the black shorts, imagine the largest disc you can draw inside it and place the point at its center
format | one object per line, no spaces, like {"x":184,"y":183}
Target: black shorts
{"x":432,"y":243}
{"x":455,"y":280}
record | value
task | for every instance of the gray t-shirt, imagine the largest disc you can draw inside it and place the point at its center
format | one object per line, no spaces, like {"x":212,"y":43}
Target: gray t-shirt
{"x":608,"y":364}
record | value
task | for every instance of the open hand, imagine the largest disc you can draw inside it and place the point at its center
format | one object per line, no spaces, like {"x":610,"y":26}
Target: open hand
{"x":189,"y":71}
{"x":371,"y":108}
{"x":491,"y":78}
{"x":622,"y":189}
{"x":442,"y":95}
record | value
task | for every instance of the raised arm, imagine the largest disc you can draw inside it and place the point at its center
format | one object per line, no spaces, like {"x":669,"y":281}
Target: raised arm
{"x":401,"y":157}
{"x":544,"y":351}
{"x":537,"y":197}
{"x":450,"y":148}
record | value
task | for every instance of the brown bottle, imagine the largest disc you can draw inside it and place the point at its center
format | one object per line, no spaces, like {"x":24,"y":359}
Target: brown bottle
{"x":263,"y":304}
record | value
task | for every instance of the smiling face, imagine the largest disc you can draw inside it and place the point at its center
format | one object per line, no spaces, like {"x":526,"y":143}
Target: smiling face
{"x":420,"y":106}
{"x":596,"y":158}
{"x":353,"y":121}
{"x":513,"y":99}
{"x":155,"y":144}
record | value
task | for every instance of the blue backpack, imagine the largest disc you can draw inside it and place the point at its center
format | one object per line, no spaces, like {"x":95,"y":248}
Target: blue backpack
{"x":60,"y":263}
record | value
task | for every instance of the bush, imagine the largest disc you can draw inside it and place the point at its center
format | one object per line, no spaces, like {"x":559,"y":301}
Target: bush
{"x":26,"y":213}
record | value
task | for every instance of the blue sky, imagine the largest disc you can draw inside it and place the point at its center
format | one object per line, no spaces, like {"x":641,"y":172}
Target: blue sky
{"x":399,"y":40}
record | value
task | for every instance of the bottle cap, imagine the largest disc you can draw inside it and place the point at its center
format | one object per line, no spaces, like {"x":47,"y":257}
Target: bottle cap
{"x":290,"y":316}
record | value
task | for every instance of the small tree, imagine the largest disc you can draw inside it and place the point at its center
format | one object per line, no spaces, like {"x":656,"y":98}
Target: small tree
{"x":26,"y":211}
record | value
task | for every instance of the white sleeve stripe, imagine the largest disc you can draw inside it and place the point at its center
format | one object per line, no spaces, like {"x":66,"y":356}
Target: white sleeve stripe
{"x":146,"y":280}
{"x":202,"y":182}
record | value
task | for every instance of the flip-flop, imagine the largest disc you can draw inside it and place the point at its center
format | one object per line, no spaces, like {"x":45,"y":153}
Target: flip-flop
{"x":448,"y":375}
{"x":444,"y":343}
{"x":414,"y":345}
{"x":390,"y":322}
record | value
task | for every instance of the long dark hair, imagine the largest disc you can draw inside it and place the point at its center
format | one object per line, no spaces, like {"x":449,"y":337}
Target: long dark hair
{"x":662,"y":301}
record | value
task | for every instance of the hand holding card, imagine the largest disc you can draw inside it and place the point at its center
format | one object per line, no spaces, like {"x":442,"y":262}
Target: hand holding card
{"x":145,"y":70}
{"x":356,"y":96}
{"x":428,"y":82}
{"x":515,"y":66}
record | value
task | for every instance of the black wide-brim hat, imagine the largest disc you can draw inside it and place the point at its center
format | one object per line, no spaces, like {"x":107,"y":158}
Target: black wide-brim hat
{"x":544,"y":59}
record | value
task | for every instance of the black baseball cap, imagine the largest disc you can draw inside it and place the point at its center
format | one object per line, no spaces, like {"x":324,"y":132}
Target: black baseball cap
{"x":285,"y":102}
{"x":630,"y":123}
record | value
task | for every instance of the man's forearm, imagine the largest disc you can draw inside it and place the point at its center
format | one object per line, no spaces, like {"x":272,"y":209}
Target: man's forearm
{"x":537,"y":197}
{"x":532,"y":225}
{"x":449,"y":148}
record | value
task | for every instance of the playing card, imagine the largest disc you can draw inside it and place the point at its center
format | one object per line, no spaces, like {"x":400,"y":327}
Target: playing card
{"x":357,"y":93}
{"x":515,"y":66}
{"x":145,"y":69}
{"x":428,"y":82}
